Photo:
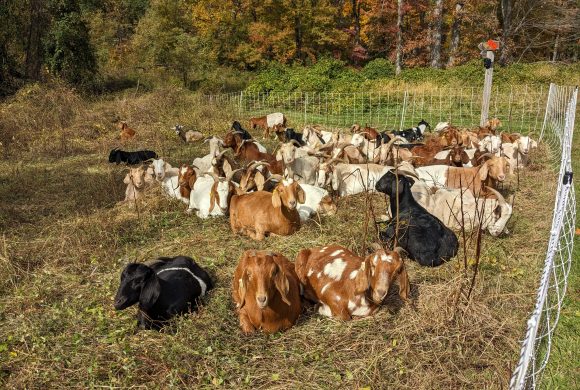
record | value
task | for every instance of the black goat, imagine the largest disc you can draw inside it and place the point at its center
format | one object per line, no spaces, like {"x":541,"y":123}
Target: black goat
{"x":415,"y":133}
{"x":290,"y":134}
{"x":169,"y":286}
{"x":237,"y":127}
{"x":425,"y":238}
{"x":180,"y":132}
{"x":131,"y":158}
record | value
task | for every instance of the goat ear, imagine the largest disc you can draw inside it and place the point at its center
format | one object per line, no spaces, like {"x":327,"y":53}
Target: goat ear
{"x":150,"y":292}
{"x":127,"y":178}
{"x":192,"y":180}
{"x":227,"y":167}
{"x":259,"y":180}
{"x":483,"y":171}
{"x":404,"y":288}
{"x":282,"y":284}
{"x":213,"y":196}
{"x":301,"y":195}
{"x":464,"y":157}
{"x":362,"y":280}
{"x":278,"y":155}
{"x":242,"y":288}
{"x":276,"y":200}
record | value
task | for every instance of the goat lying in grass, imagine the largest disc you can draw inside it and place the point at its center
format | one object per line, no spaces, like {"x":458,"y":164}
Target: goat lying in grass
{"x":168,"y":287}
{"x":347,"y":285}
{"x":137,"y":180}
{"x":131,"y":158}
{"x":266,"y":291}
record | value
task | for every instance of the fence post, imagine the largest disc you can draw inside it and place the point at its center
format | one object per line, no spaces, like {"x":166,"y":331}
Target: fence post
{"x":487,"y":87}
{"x":305,"y":107}
{"x":548,"y":104}
{"x":403,"y":109}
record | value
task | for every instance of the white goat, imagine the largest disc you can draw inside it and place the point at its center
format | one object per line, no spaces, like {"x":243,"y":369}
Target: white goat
{"x":305,"y":167}
{"x":209,"y":196}
{"x":317,"y":201}
{"x":168,"y":177}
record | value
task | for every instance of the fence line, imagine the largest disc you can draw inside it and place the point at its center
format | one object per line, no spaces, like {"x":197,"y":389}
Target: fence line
{"x":520,"y":109}
{"x":395,"y":109}
{"x":557,"y":131}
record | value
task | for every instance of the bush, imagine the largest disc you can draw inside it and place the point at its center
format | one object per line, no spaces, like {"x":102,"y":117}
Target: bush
{"x":379,"y":68}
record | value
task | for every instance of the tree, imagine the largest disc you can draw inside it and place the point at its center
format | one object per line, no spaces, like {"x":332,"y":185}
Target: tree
{"x":399,"y":60}
{"x":437,"y":25}
{"x":455,"y":33}
{"x":69,"y":53}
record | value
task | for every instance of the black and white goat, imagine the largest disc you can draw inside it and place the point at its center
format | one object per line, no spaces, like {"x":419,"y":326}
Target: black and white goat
{"x":164,"y":288}
{"x":425,"y":238}
{"x":415,"y":133}
{"x":131,"y":158}
{"x":291,"y":134}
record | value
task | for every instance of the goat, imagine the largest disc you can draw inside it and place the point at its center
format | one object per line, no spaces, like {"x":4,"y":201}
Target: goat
{"x":316,"y":201}
{"x":137,"y":180}
{"x":267,"y":122}
{"x":126,"y":132}
{"x":415,"y":133}
{"x":210,"y":196}
{"x":369,"y":133}
{"x":204,"y":163}
{"x":248,"y":151}
{"x":517,"y":153}
{"x":349,"y":179}
{"x":131,"y":158}
{"x":489,"y":213}
{"x":455,"y":157}
{"x":425,"y":238}
{"x":491,"y":144}
{"x":347,"y":285}
{"x":169,"y":287}
{"x":266,"y":292}
{"x":290,"y":134}
{"x":168,"y":176}
{"x":304,"y":166}
{"x":186,"y":180}
{"x":234,"y":139}
{"x":314,"y":137}
{"x":238,"y":129}
{"x":187,"y":136}
{"x":261,"y":213}
{"x":490,"y":173}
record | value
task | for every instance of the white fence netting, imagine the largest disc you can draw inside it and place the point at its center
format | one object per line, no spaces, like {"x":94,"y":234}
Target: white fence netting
{"x":557,"y":131}
{"x":550,"y":117}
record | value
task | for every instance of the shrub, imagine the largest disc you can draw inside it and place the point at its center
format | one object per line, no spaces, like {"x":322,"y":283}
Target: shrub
{"x":378,"y":69}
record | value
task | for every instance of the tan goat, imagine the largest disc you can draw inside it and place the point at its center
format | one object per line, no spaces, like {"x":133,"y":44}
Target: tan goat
{"x":266,"y":291}
{"x":259,"y":214}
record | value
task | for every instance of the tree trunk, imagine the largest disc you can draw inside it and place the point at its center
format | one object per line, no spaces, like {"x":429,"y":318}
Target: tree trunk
{"x":399,"y":60}
{"x":33,"y":57}
{"x":455,"y":34}
{"x":556,"y":46}
{"x":506,"y":24}
{"x":356,"y":20}
{"x":297,"y":31}
{"x":437,"y":24}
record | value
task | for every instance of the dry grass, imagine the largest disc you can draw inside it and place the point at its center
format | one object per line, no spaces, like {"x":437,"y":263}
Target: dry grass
{"x":66,"y":240}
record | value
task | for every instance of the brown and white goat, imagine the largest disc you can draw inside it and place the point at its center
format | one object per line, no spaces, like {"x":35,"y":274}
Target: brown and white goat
{"x":347,"y":285}
{"x":262,"y":213}
{"x":266,"y":291}
{"x":186,"y":180}
{"x":268,"y":122}
{"x":248,"y":151}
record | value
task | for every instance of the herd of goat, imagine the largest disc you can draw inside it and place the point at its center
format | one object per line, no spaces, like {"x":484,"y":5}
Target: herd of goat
{"x":438,"y":181}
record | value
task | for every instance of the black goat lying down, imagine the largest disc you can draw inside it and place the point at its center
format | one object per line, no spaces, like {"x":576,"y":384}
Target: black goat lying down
{"x":237,"y":127}
{"x":425,"y":238}
{"x":131,"y":158}
{"x":167,"y":287}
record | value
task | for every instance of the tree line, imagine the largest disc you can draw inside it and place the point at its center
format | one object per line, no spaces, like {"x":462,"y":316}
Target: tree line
{"x":80,"y":40}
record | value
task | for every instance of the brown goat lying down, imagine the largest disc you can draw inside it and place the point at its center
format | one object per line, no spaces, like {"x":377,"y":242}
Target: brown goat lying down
{"x":266,"y":292}
{"x":259,"y":214}
{"x":346,"y":285}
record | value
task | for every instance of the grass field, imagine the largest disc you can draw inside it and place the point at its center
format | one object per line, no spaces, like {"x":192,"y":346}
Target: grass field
{"x":66,"y":239}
